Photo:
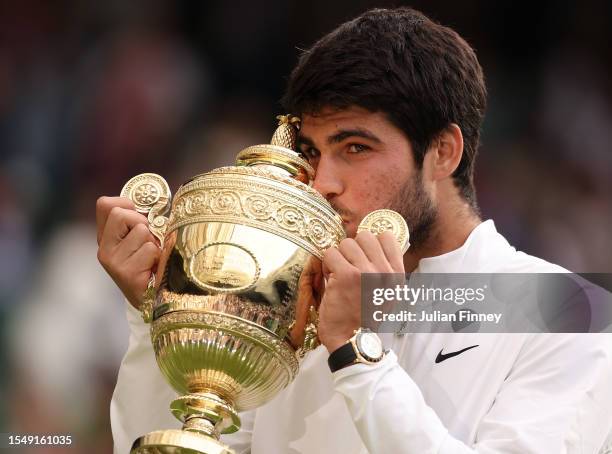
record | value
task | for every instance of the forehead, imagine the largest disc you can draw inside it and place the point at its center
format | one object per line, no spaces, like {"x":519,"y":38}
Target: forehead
{"x":334,"y":126}
{"x":329,"y":120}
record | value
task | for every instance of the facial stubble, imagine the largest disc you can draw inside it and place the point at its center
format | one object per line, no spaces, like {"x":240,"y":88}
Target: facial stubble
{"x":417,"y":208}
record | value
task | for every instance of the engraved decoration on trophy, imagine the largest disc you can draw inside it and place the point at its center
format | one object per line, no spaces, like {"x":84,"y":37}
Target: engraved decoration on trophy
{"x":227,"y":322}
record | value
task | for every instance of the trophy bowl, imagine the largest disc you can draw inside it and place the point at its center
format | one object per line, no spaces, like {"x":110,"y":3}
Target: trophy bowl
{"x":228,"y":319}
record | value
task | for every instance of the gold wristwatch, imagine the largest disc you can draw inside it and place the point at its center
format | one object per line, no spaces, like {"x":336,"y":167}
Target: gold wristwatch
{"x":364,"y":347}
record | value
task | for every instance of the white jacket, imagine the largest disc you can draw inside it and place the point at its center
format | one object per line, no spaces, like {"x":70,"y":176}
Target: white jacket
{"x":514,"y":393}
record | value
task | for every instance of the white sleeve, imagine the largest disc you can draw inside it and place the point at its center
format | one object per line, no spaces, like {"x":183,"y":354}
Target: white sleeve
{"x":557,"y":399}
{"x":141,"y":400}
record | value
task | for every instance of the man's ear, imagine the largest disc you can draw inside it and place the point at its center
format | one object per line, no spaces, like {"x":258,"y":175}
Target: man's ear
{"x":446,"y":152}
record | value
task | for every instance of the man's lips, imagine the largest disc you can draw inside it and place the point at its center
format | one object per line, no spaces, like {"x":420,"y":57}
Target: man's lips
{"x":345,"y":220}
{"x":349,"y":227}
{"x":344,"y":215}
{"x":346,"y":223}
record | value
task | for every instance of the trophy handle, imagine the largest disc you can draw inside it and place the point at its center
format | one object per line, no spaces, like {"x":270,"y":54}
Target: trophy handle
{"x":158,"y":224}
{"x":151,"y":196}
{"x":311,"y":335}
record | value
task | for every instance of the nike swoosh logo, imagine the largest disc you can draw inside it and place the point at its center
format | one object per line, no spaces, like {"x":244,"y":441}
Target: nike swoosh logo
{"x":444,"y":356}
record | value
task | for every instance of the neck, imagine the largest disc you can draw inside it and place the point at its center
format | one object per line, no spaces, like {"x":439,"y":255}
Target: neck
{"x":450,"y":231}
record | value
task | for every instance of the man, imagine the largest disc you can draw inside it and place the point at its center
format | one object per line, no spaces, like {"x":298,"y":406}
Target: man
{"x":391,"y":106}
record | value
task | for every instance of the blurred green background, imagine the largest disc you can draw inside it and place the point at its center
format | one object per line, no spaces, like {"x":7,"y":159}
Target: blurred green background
{"x":94,"y":92}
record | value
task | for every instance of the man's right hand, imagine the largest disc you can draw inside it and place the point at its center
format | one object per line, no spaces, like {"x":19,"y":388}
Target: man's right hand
{"x":126,"y":248}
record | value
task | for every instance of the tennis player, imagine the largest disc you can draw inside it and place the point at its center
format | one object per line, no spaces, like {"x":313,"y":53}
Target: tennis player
{"x":391,"y":105}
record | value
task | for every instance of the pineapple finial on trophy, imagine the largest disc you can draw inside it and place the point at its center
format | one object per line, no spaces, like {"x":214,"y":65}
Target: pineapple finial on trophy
{"x":286,"y":133}
{"x":280,"y":155}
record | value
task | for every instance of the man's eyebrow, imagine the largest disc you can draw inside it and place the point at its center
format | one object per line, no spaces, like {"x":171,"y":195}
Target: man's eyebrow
{"x":357,"y":132}
{"x":338,"y":137}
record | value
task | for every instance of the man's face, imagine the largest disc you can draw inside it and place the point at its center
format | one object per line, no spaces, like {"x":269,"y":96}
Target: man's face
{"x":364,"y":163}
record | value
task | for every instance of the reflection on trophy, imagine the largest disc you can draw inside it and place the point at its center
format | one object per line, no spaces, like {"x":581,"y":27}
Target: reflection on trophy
{"x":229,"y":318}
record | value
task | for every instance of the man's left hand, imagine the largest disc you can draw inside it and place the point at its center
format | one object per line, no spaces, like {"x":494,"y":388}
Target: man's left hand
{"x":340,"y":310}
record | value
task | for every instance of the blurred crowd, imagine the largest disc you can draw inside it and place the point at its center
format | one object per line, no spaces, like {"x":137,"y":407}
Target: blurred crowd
{"x":92,"y":93}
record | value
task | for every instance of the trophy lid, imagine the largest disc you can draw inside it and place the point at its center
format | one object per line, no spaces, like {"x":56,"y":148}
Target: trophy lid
{"x":279,"y":156}
{"x":269,"y":188}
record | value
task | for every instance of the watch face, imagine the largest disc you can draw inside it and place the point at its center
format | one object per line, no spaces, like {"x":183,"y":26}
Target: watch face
{"x":369,"y":346}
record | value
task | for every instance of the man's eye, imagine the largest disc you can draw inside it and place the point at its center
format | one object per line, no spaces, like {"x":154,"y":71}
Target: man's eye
{"x":357,"y":148}
{"x":310,"y":153}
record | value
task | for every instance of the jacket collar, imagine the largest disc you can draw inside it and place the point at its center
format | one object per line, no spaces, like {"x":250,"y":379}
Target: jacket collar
{"x":483,"y":243}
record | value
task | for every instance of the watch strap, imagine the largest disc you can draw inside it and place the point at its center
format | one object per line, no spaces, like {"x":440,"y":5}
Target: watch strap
{"x":342,"y":357}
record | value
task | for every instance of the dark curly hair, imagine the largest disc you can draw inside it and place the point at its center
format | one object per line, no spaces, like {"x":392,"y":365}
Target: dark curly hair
{"x":422,"y":75}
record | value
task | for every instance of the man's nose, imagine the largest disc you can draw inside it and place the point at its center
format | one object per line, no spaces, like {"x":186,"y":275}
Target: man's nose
{"x":327,"y":179}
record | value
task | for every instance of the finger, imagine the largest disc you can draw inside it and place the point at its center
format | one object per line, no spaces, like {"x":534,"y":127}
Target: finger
{"x":135,"y":273}
{"x":392,"y":251}
{"x":312,"y":272}
{"x":313,"y":264}
{"x":137,"y":236}
{"x":353,"y":253}
{"x":373,"y":250}
{"x":306,"y":278}
{"x":144,"y":259}
{"x":119,"y":223}
{"x":317,"y":280}
{"x":306,"y":298}
{"x":334,"y":262}
{"x":104,"y":205}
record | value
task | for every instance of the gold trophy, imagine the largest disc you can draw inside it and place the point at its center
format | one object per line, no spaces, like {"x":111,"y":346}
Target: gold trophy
{"x":228,"y":320}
